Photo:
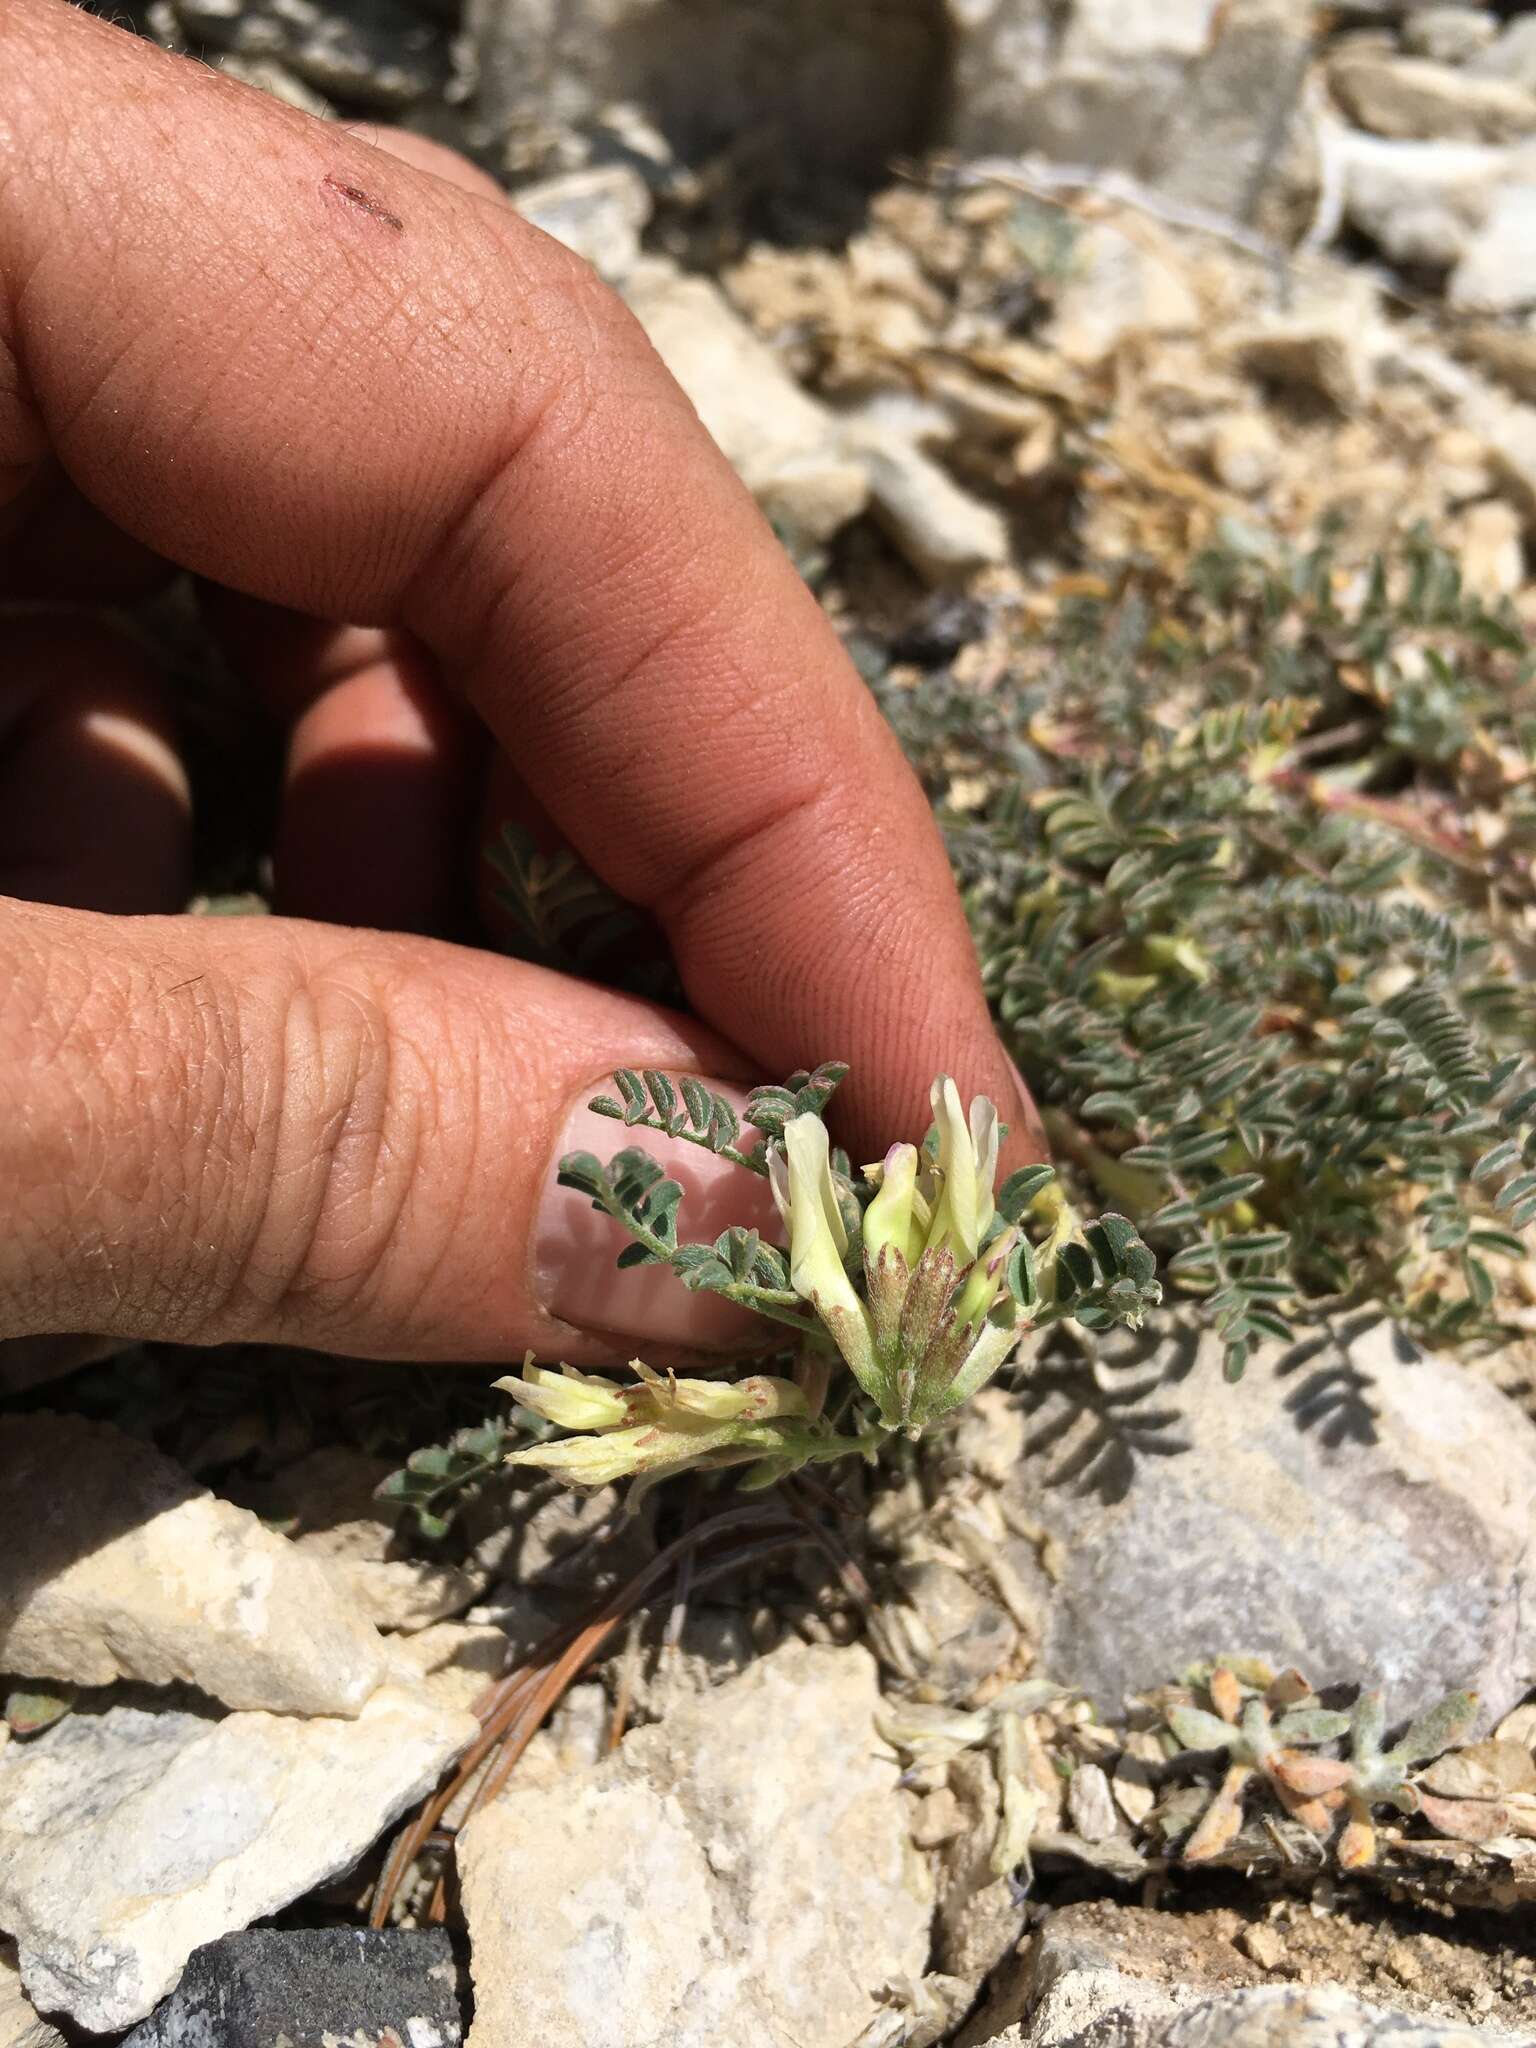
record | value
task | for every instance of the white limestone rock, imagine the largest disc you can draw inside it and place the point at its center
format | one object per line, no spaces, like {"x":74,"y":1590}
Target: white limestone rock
{"x":118,"y":1565}
{"x":132,"y":1833}
{"x":737,"y":1875}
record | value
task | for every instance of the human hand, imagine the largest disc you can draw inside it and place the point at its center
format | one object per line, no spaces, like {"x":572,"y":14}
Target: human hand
{"x":342,"y":386}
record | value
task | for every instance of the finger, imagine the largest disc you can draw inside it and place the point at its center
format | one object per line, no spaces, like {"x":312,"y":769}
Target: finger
{"x":380,"y":781}
{"x":382,"y":769}
{"x":344,"y":385}
{"x":214,"y":1130}
{"x":94,"y":805}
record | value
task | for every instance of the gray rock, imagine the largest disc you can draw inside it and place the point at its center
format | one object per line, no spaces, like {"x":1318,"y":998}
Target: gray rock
{"x":1224,"y":135}
{"x":311,"y":1988}
{"x":832,"y":91}
{"x":118,"y":1565}
{"x":1450,"y":35}
{"x":1352,"y":1507}
{"x":133,"y":1833}
{"x":599,"y":213}
{"x":1416,"y":98}
{"x":785,"y":447}
{"x":1497,"y":271}
{"x":1085,"y":85}
{"x":20,"y":2024}
{"x":1512,"y":55}
{"x":379,"y":54}
{"x":737,"y":1874}
{"x":1123,"y":1977}
{"x":1320,"y":2016}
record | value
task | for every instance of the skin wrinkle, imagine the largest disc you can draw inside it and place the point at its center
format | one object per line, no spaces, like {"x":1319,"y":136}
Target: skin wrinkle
{"x":319,"y":461}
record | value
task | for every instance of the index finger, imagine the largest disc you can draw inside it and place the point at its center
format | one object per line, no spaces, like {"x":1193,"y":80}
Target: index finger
{"x":306,"y":369}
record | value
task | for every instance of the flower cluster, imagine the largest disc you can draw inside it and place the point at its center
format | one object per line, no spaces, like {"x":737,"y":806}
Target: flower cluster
{"x":917,"y":1274}
{"x":936,"y":1318}
{"x":657,"y":1427}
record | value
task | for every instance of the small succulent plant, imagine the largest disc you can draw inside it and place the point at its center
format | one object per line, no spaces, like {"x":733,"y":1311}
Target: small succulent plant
{"x":1274,"y":1733}
{"x":1268,"y":1734}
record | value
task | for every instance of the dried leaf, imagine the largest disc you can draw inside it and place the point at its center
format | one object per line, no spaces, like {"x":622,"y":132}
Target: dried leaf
{"x":1226,"y":1693}
{"x":1311,"y":1776}
{"x":1357,"y":1844}
{"x":1484,"y":1770}
{"x":1288,"y":1690}
{"x":1221,"y":1819}
{"x":1464,"y":1820}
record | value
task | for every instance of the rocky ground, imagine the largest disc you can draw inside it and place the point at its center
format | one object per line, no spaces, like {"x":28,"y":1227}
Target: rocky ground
{"x":1012,"y":1747}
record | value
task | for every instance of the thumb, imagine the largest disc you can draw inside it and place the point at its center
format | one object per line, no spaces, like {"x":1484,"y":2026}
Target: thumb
{"x":253,"y":1129}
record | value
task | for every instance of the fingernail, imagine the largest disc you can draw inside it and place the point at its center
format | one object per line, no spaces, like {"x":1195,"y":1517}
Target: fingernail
{"x":1028,"y":1129}
{"x":576,"y":1246}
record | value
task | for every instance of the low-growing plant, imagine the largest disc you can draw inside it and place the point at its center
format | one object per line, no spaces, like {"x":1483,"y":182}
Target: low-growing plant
{"x":1250,"y":872}
{"x":1270,"y":1729}
{"x":905,"y":1286}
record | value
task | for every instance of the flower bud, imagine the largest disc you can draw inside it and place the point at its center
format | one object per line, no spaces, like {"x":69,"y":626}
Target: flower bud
{"x":571,"y":1399}
{"x":967,"y":1168}
{"x":591,"y":1460}
{"x":892,"y":1217}
{"x":802,"y":1184}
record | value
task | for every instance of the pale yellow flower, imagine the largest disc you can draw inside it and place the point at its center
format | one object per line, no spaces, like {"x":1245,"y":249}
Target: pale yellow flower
{"x":571,"y":1399}
{"x":967,"y":1168}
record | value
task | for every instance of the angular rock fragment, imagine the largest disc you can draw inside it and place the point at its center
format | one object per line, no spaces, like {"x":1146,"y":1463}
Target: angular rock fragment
{"x":783,"y":445}
{"x":132,"y":1833}
{"x":118,"y":1565}
{"x":1414,"y":98}
{"x":312,"y":1987}
{"x":1354,"y":1507}
{"x":739,"y":1873}
{"x":21,"y":2026}
{"x":599,"y":213}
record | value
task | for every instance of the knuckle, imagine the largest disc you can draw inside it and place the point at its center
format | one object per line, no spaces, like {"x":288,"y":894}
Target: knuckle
{"x":352,"y":1207}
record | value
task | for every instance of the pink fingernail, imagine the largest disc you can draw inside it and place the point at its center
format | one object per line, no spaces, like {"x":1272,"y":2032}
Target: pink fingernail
{"x":576,"y":1246}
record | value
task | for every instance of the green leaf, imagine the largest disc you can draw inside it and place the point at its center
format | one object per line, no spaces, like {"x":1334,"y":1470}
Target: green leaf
{"x":1221,"y":1194}
{"x":632,"y":1092}
{"x":1174,"y":1215}
{"x":1497,"y":1161}
{"x":1075,"y":1271}
{"x":1108,"y":1107}
{"x":1020,"y":1189}
{"x":1479,"y":1281}
{"x":1196,"y":1729}
{"x":1023,"y":1284}
{"x":662,"y":1093}
{"x":697,"y":1100}
{"x":583,"y":1170}
{"x":1438,"y":1729}
{"x":432,"y":1461}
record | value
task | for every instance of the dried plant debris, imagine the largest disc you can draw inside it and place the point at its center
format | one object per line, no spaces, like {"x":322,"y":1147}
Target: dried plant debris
{"x":1240,"y":1767}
